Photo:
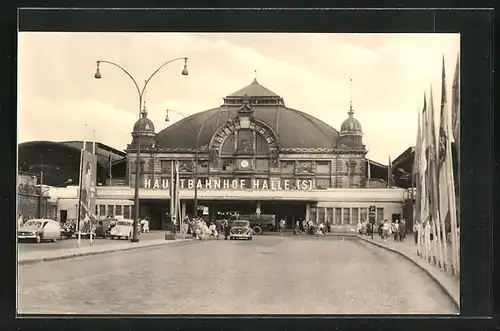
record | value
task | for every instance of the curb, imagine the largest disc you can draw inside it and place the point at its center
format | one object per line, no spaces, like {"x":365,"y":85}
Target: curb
{"x":70,"y":256}
{"x":443,"y":288}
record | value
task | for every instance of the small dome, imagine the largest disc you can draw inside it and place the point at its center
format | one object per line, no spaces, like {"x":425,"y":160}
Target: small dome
{"x":351,"y":125}
{"x":145,"y":124}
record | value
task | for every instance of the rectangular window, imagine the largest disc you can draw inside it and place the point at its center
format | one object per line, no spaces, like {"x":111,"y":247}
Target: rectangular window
{"x":322,"y":183}
{"x":347,"y":216}
{"x":321,"y":215}
{"x":338,"y":216}
{"x":323,"y":167}
{"x":97,"y":209}
{"x":118,"y":210}
{"x":329,"y":215}
{"x":166,"y":165}
{"x":202,"y":166}
{"x":111,"y":211}
{"x":355,"y":218}
{"x":287,"y":167}
{"x":126,"y":212}
{"x":227,"y":164}
{"x":102,"y":210}
{"x":364,"y":214}
{"x":262,"y":165}
{"x":380,"y":214}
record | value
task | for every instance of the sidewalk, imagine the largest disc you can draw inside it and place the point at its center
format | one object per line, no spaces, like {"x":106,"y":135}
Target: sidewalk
{"x":41,"y":256}
{"x":449,"y":283}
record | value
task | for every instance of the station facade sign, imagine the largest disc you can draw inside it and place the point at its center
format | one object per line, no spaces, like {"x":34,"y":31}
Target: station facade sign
{"x":233,"y":184}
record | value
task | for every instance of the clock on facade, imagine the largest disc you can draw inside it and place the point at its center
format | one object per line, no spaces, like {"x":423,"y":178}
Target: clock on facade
{"x":244,"y":163}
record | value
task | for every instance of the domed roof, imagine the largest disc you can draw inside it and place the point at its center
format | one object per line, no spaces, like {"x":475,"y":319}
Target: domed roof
{"x":351,"y":125}
{"x":295,"y":129}
{"x":145,"y":124}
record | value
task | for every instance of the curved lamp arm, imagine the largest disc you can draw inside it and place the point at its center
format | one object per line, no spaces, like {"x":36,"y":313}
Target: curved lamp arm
{"x":160,"y":67}
{"x":126,"y":72}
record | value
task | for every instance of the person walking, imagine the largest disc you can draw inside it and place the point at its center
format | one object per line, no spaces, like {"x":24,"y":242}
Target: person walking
{"x":282,"y":226}
{"x":415,"y":231}
{"x":386,"y":228}
{"x":20,"y":221}
{"x":322,"y":228}
{"x":145,"y":225}
{"x":395,"y":230}
{"x":402,"y":229}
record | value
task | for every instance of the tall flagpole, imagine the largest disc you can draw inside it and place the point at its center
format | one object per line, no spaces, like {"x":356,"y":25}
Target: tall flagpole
{"x":78,"y":219}
{"x":172,"y":193}
{"x":91,"y":227}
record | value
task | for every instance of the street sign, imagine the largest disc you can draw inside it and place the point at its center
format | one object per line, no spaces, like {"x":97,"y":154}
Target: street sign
{"x":372,"y":212}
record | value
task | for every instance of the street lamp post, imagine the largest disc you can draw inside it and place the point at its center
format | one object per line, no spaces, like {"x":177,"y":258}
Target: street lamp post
{"x":140,"y":93}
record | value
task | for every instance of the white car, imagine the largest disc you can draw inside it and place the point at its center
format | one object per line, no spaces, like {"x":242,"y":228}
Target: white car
{"x":122,"y":229}
{"x":39,"y":230}
{"x":240,"y":229}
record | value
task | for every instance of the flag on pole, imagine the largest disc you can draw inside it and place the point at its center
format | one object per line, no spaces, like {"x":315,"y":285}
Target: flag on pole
{"x":369,"y":173}
{"x":389,"y":173}
{"x":416,"y":172}
{"x":433,"y":184}
{"x":455,"y":105}
{"x":422,"y":174}
{"x":444,"y":210}
{"x":110,"y":166}
{"x":445,"y":173}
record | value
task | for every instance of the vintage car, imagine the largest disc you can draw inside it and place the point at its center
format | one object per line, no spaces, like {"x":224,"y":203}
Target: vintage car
{"x":39,"y":230}
{"x":240,"y":229}
{"x":104,"y":227}
{"x":122,"y":229}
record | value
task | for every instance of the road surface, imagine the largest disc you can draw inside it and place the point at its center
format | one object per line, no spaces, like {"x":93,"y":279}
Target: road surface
{"x":268,"y":275}
{"x":25,"y":247}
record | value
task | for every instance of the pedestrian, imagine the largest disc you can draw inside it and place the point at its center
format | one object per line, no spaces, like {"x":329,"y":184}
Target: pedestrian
{"x":212,"y":231}
{"x":304,"y":226}
{"x":145,"y":225}
{"x":395,"y":229}
{"x":282,"y":226}
{"x":386,"y":228}
{"x":402,"y":230}
{"x":322,"y":228}
{"x":296,"y":228}
{"x":20,"y":221}
{"x":415,"y":232}
{"x":360,"y":227}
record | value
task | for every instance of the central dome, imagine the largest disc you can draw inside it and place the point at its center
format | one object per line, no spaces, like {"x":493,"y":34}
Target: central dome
{"x":295,"y":129}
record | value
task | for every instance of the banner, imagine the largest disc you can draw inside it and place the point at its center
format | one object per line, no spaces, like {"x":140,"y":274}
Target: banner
{"x":88,"y":178}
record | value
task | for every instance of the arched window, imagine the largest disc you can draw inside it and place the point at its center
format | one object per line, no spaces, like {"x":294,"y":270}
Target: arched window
{"x":228,"y":147}
{"x":261,"y":145}
{"x":245,"y":141}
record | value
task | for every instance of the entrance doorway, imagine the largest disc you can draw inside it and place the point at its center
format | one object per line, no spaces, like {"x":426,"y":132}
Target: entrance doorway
{"x":396,"y":217}
{"x":63,"y":216}
{"x":291,"y":211}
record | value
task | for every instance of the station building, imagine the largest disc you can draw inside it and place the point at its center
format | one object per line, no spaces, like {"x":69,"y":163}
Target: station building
{"x":252,"y":154}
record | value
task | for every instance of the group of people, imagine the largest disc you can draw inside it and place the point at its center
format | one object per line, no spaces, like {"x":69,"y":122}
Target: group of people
{"x":395,"y":228}
{"x":201,"y":230}
{"x":308,"y":227}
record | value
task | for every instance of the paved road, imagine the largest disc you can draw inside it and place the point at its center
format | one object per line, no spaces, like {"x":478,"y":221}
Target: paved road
{"x":271,"y":275}
{"x":25,"y":247}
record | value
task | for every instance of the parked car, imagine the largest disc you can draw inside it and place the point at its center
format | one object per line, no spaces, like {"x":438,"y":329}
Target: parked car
{"x":103,"y":229}
{"x":122,"y":229}
{"x":39,"y":230}
{"x":240,"y":229}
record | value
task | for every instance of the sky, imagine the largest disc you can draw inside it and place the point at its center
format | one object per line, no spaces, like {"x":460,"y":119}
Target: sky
{"x":59,"y":99}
